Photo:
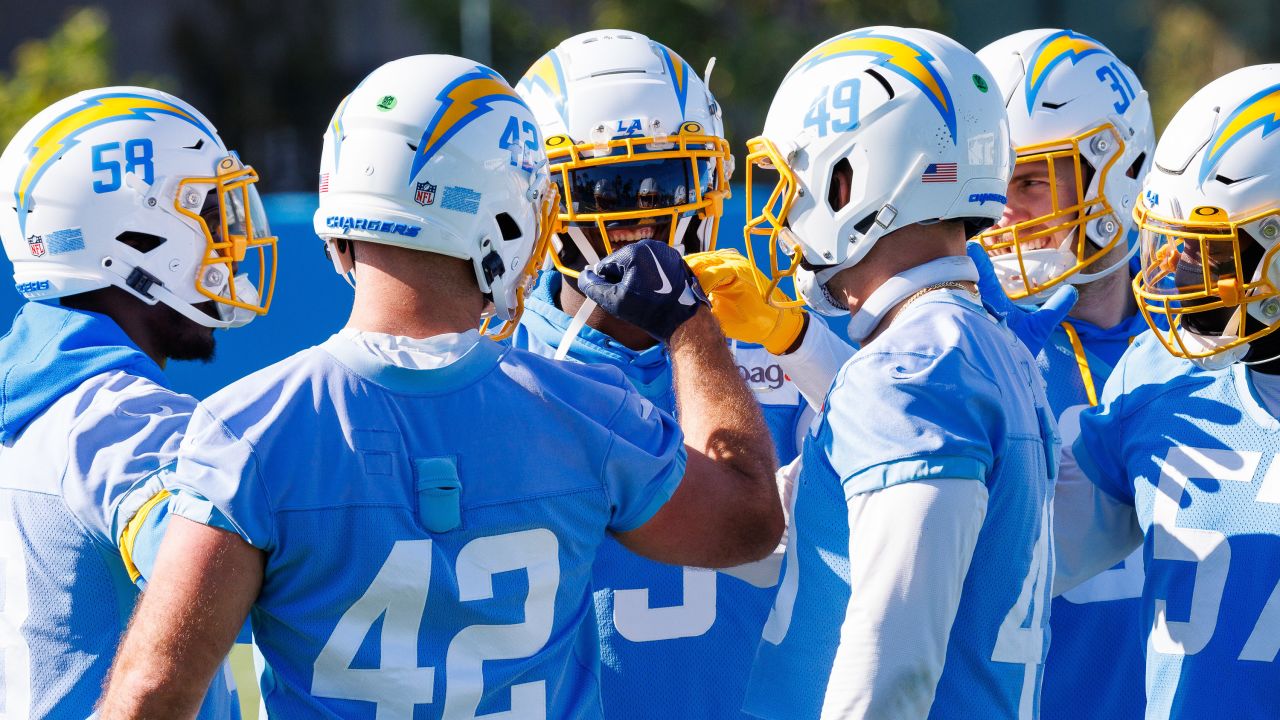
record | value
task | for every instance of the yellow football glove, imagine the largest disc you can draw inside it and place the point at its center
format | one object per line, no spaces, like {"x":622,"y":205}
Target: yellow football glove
{"x":735,"y":288}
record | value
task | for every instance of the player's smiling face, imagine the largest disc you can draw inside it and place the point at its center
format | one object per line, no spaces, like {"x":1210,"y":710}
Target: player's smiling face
{"x":1032,"y":194}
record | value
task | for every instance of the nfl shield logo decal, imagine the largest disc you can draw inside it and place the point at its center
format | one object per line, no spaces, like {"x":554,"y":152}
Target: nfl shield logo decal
{"x":36,"y":243}
{"x":426,"y":194}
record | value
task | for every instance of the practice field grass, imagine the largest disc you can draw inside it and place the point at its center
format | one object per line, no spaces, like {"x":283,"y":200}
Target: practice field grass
{"x":246,"y":680}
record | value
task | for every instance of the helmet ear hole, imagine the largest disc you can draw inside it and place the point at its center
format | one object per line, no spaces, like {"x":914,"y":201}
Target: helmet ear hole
{"x":140,"y":241}
{"x":838,"y":190}
{"x":1135,"y":170}
{"x":508,"y":226}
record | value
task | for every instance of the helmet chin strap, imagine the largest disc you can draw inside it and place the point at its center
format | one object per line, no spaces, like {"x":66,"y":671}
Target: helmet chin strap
{"x":229,"y":316}
{"x":904,"y":285}
{"x":1220,"y":360}
{"x":1082,"y":277}
{"x":588,"y":305}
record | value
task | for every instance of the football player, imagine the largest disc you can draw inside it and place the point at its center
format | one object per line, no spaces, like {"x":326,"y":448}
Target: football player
{"x":1180,"y":452}
{"x":412,"y":510}
{"x":630,"y":129}
{"x":1081,"y":128}
{"x":919,"y":550}
{"x":132,"y":231}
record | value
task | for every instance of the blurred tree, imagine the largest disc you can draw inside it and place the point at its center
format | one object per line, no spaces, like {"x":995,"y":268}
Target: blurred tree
{"x":755,"y":41}
{"x":268,"y":75}
{"x":73,"y":58}
{"x":1191,"y":47}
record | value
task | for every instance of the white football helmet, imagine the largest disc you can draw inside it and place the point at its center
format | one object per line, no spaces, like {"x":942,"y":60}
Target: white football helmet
{"x":438,"y":153}
{"x":634,"y":138}
{"x":132,"y":187}
{"x":907,"y":118}
{"x":1209,"y":221}
{"x":1068,"y":97}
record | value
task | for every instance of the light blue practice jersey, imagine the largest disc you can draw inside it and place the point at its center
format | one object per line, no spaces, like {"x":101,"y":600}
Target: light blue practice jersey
{"x":86,"y":420}
{"x":1194,"y":452}
{"x":1094,"y":669}
{"x":429,"y":534}
{"x":675,"y":642}
{"x":944,"y":393}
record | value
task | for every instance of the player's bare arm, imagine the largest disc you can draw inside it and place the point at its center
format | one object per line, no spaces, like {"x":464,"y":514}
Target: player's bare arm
{"x":170,"y":653}
{"x":726,"y":511}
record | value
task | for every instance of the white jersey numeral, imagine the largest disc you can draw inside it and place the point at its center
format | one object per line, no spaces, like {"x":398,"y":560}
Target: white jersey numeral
{"x":398,"y":594}
{"x":538,"y":552}
{"x":1021,"y":638}
{"x":15,"y":673}
{"x":694,"y":616}
{"x":1210,"y":550}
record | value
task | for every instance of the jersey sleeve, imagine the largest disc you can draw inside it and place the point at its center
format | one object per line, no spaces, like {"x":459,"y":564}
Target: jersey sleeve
{"x":645,"y":461}
{"x":1097,"y":450}
{"x":132,"y":429}
{"x":814,"y":365}
{"x":895,"y":417}
{"x":217,"y":482}
{"x":914,"y":543}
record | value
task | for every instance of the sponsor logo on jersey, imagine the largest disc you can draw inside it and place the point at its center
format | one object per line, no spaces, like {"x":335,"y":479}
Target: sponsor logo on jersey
{"x":347,"y":223}
{"x":761,"y":377}
{"x":426,"y":194}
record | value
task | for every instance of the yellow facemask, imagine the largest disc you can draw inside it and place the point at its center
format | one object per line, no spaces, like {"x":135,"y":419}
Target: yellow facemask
{"x":239,"y":228}
{"x":767,"y":222}
{"x":1205,"y":270}
{"x":1013,"y":239}
{"x":640,"y":178}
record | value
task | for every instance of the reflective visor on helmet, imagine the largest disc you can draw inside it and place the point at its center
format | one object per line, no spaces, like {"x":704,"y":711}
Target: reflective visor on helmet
{"x":1205,"y":276}
{"x":637,"y":185}
{"x":630,"y":181}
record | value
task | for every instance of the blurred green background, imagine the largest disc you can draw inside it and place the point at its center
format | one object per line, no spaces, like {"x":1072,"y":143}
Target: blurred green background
{"x":270,"y":73}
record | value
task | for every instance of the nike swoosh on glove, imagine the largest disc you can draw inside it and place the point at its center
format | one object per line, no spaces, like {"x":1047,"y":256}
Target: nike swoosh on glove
{"x":1033,"y":325}
{"x":647,"y":284}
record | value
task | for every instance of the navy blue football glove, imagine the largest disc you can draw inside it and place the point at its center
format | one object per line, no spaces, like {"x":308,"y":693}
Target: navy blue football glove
{"x":647,"y":284}
{"x":1033,"y":325}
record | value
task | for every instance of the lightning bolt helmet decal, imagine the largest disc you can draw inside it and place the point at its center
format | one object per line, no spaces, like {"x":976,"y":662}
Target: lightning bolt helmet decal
{"x":461,"y":101}
{"x":62,"y":132}
{"x":1062,"y":45}
{"x":1262,"y":110}
{"x":906,"y":59}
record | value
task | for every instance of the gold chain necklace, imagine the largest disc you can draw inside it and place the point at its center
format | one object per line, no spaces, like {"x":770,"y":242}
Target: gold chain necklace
{"x":949,"y":284}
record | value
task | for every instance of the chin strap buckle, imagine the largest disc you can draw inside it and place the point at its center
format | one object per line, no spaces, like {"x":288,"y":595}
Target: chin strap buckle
{"x":492,"y":266}
{"x":142,"y":281}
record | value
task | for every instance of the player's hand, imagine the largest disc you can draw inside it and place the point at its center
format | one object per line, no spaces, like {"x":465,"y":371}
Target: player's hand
{"x":1033,"y":325}
{"x":736,"y":290}
{"x":647,"y":284}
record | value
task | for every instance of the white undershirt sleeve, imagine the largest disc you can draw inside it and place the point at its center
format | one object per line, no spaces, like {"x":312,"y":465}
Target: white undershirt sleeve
{"x":813,"y":365}
{"x":1092,"y":531}
{"x":909,"y":551}
{"x":764,"y":573}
